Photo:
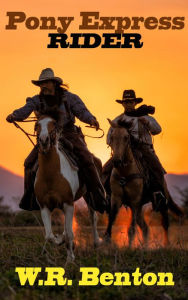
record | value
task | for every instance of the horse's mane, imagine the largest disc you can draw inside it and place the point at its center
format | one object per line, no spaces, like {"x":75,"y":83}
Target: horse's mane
{"x":124,"y":124}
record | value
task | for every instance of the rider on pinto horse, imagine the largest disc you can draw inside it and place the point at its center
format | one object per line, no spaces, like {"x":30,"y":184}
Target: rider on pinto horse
{"x":55,"y":98}
{"x":140,"y":126}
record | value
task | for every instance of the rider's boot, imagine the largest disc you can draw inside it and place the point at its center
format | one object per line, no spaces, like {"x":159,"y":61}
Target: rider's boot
{"x":94,"y":185}
{"x":28,"y":201}
{"x":159,"y":201}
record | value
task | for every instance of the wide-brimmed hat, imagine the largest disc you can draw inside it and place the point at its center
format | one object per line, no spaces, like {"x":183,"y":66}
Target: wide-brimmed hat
{"x":47,"y":74}
{"x":129,"y":95}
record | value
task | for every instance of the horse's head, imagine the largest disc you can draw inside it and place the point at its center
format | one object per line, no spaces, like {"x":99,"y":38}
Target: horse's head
{"x":119,"y":142}
{"x":46,"y":129}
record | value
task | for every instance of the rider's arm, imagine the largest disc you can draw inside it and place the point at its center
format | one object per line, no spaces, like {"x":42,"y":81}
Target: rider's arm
{"x":153,"y":125}
{"x":24,"y":112}
{"x":79,"y":109}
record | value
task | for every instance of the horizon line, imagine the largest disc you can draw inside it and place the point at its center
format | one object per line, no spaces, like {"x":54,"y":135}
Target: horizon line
{"x":14,"y":173}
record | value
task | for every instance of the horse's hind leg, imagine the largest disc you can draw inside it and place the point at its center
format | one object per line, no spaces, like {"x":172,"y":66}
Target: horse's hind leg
{"x":93,"y":216}
{"x":116,"y":202}
{"x":46,"y":218}
{"x":69,"y":236}
{"x":131,"y":230}
{"x":165,"y":224}
{"x":143,"y":226}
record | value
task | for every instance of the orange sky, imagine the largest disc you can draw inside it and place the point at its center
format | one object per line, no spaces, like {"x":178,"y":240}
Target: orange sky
{"x":157,"y":72}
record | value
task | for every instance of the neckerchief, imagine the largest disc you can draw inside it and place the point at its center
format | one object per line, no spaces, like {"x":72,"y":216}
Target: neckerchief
{"x":141,"y":111}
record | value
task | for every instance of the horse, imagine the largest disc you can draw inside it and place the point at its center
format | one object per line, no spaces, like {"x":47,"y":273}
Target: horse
{"x":127,"y":187}
{"x":57,"y":185}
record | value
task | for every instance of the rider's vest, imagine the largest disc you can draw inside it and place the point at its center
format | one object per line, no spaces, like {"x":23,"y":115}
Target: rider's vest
{"x":59,"y":112}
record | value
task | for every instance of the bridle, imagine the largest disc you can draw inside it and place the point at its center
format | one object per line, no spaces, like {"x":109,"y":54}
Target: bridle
{"x":124,"y":180}
{"x":128,"y":144}
{"x":52,"y":135}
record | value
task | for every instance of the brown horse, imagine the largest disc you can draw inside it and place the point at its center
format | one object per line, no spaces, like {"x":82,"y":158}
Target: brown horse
{"x":127,"y":187}
{"x":57,"y":185}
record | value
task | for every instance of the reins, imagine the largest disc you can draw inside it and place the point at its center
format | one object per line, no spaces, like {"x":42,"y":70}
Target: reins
{"x":95,"y":137}
{"x":33,"y":119}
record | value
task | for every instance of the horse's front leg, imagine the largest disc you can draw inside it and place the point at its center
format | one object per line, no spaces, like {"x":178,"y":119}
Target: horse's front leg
{"x":69,"y":236}
{"x":134,"y":193}
{"x":93,"y":216}
{"x":143,"y":226}
{"x":132,"y":228}
{"x":116,"y":202}
{"x":46,"y":218}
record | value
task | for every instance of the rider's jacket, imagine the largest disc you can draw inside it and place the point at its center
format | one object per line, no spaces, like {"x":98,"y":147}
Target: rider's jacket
{"x":71,"y":106}
{"x":141,"y":133}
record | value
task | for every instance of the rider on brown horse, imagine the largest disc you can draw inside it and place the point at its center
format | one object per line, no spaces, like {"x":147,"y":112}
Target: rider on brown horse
{"x":141,"y":126}
{"x":55,"y":100}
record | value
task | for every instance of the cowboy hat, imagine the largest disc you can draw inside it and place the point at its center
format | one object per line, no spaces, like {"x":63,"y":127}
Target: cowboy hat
{"x":47,"y":74}
{"x":129,"y":95}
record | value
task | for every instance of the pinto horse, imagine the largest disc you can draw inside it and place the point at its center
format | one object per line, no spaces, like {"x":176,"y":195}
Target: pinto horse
{"x":57,"y":185}
{"x":127,"y":187}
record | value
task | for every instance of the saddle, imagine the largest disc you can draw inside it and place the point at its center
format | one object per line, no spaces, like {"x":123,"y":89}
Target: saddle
{"x":142,"y":165}
{"x":146,"y":172}
{"x":66,"y":148}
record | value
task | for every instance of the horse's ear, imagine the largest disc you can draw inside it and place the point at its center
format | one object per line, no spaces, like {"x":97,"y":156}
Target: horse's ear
{"x":36,"y":126}
{"x":112,"y":123}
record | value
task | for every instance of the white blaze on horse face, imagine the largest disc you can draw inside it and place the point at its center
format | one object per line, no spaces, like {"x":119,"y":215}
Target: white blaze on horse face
{"x":44,"y":129}
{"x":68,"y":172}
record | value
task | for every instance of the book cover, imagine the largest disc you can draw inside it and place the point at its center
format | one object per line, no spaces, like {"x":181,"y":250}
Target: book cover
{"x":105,"y":56}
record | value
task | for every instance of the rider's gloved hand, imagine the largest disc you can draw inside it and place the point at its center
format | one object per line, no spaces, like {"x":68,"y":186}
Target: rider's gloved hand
{"x":95,"y":123}
{"x":10,"y":118}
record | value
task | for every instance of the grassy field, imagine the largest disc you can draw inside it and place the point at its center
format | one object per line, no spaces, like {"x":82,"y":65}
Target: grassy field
{"x":24,"y":247}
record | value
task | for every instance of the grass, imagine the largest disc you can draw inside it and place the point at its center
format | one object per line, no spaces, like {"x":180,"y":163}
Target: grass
{"x":24,"y":247}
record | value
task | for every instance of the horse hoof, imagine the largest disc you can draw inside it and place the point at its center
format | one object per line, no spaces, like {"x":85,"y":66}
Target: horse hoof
{"x":98,"y":243}
{"x":70,"y":259}
{"x":166,"y":244}
{"x":58,"y":240}
{"x":107,"y":238}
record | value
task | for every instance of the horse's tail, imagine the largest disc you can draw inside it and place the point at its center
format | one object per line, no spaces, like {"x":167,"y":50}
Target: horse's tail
{"x":174,"y":207}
